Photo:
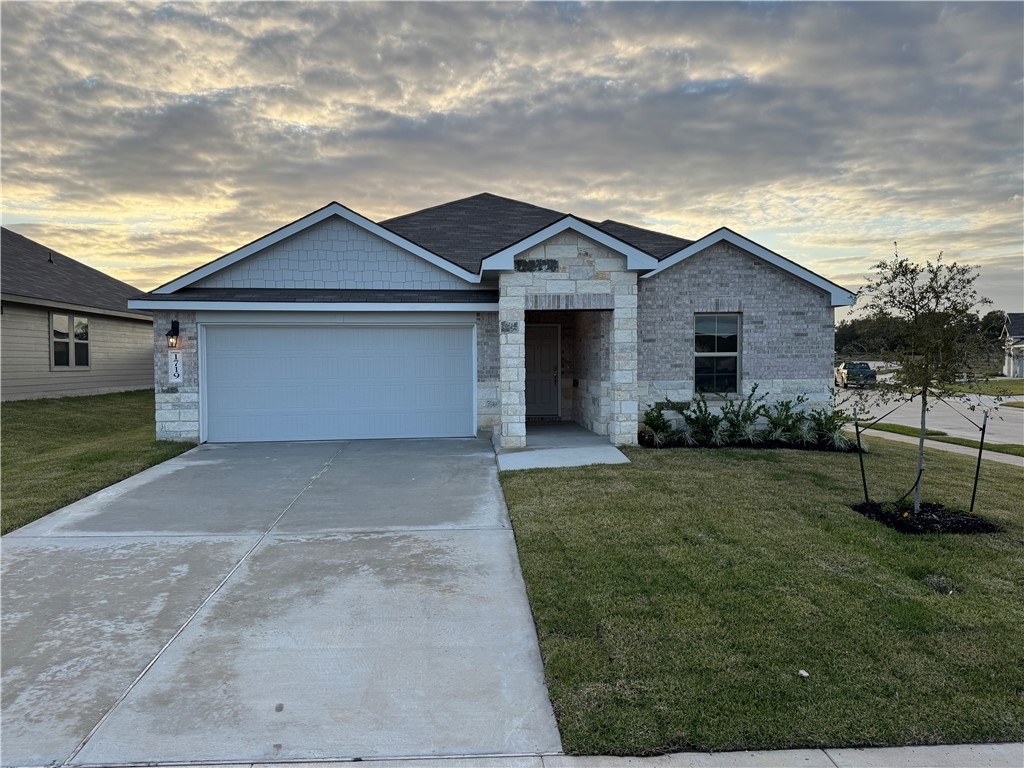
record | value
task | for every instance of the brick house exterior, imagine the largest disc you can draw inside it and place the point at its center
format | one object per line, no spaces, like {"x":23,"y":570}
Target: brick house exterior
{"x":627,"y":313}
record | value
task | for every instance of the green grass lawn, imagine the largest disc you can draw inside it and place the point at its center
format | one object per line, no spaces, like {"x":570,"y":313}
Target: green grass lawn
{"x":56,"y":451}
{"x":995,"y":387}
{"x":677,"y":598}
{"x":1012,"y":404}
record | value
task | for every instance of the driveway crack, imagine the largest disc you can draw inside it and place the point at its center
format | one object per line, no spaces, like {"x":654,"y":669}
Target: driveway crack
{"x":99,"y":724}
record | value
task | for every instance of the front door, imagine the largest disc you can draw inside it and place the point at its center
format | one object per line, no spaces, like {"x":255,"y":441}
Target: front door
{"x":542,"y":356}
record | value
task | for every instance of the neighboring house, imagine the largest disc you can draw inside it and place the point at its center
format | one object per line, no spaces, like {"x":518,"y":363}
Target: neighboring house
{"x":65,"y":328}
{"x":480,"y":313}
{"x":1013,"y":344}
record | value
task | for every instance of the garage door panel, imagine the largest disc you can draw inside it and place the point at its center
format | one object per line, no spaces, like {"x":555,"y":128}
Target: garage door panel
{"x":337,"y":382}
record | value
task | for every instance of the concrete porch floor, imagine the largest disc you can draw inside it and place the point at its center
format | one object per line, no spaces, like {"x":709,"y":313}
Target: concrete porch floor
{"x":560,"y":444}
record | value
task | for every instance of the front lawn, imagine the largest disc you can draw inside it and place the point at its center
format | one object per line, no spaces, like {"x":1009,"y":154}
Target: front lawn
{"x":678,"y":598}
{"x":56,"y":451}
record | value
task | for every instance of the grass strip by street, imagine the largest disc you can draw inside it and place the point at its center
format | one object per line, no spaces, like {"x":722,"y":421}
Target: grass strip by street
{"x":678,"y":597}
{"x":1012,"y":404}
{"x":56,"y":451}
{"x":902,"y":429}
{"x":1007,"y":448}
{"x":994,"y":387}
{"x":942,"y":437}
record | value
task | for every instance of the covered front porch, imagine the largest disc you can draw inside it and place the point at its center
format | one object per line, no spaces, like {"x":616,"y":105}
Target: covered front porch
{"x":571,"y":376}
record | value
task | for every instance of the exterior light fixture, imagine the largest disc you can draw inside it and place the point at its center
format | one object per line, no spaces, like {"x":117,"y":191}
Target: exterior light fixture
{"x":172,"y":335}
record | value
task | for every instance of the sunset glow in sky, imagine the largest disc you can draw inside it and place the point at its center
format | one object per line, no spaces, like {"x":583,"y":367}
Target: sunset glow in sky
{"x":146,"y":139}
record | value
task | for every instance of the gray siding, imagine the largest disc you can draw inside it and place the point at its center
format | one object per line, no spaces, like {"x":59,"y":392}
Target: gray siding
{"x":335,"y":254}
{"x":120,"y":355}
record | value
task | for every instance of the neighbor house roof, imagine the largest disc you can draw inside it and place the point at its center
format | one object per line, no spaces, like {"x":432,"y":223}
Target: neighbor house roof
{"x":40,"y":275}
{"x":1014,"y":324}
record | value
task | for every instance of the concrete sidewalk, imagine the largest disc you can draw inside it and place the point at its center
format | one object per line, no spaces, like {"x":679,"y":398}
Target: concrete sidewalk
{"x":956,"y":756}
{"x":1002,"y":458}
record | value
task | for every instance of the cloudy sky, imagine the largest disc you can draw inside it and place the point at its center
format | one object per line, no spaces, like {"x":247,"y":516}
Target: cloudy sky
{"x":146,"y":139}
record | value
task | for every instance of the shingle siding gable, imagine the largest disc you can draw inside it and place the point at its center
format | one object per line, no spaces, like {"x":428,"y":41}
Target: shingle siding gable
{"x":335,"y":254}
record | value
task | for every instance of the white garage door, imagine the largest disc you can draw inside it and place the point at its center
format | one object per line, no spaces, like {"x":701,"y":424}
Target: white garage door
{"x":337,"y":382}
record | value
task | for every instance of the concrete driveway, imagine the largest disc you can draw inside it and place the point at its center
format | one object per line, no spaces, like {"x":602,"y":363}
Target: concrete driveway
{"x":275,"y":601}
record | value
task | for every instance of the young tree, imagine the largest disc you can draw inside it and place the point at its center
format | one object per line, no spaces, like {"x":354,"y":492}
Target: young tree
{"x":941,"y":346}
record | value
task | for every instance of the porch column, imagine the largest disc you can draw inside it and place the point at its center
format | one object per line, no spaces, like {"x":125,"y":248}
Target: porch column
{"x":512,"y":353}
{"x":622,"y":425}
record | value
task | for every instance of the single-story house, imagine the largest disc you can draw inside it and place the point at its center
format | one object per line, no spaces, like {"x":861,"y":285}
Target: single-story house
{"x":65,"y":328}
{"x":1013,"y":345}
{"x":482,"y":313}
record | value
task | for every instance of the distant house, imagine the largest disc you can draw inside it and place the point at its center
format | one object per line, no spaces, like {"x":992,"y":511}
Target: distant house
{"x":65,"y":328}
{"x":1013,"y":343}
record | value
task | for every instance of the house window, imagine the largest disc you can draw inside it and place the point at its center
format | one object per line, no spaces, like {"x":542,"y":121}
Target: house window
{"x":69,"y":341}
{"x":716,"y":353}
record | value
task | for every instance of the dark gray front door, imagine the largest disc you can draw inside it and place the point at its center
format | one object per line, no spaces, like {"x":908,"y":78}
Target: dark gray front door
{"x":542,"y":356}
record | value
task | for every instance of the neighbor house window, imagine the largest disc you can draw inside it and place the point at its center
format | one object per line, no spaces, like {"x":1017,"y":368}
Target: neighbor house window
{"x":716,"y":353}
{"x":69,"y":341}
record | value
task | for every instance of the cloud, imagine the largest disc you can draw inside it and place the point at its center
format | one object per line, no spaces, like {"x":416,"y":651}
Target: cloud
{"x":146,"y":139}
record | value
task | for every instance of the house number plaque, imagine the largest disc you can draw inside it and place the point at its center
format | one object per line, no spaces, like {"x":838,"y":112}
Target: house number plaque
{"x":174,"y":367}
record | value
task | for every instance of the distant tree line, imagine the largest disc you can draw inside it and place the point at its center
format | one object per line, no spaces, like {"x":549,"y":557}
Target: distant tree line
{"x":879,"y":334}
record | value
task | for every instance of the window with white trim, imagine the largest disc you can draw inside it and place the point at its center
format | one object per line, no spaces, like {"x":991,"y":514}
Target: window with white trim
{"x":69,"y":341}
{"x":716,"y":347}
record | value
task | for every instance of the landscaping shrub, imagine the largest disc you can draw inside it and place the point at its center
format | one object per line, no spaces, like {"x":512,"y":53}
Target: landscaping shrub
{"x":746,"y":422}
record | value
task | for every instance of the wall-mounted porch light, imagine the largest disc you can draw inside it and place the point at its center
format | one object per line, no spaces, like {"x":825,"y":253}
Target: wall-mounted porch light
{"x":172,"y":335}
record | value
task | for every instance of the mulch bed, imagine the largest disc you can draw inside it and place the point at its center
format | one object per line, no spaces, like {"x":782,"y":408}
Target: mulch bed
{"x":933,"y":518}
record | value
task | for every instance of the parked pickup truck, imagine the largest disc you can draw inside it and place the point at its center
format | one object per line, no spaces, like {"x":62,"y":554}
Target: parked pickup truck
{"x":861,"y":374}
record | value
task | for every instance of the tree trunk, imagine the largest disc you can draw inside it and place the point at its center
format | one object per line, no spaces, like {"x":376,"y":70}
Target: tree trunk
{"x":920,"y":452}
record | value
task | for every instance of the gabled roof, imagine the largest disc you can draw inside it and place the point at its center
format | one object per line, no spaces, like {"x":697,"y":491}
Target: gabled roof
{"x":307,"y":221}
{"x":839,"y":296}
{"x":32,"y":271}
{"x":657,"y":244}
{"x":467,"y":231}
{"x":485,"y":232}
{"x":1014,"y":324}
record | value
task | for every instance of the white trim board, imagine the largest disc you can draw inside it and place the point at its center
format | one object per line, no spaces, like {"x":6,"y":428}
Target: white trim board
{"x":505,"y":259}
{"x":296,"y":306}
{"x":329,"y":210}
{"x":840,"y":296}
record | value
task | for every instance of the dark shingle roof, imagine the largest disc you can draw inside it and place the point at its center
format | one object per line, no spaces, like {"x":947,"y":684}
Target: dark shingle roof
{"x":327,"y":295}
{"x":26,"y":270}
{"x":1015,"y":323}
{"x":467,"y":231}
{"x":657,"y":244}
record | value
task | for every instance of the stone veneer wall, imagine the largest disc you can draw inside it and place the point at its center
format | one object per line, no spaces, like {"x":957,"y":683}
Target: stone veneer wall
{"x":569,"y":272}
{"x":335,"y":254}
{"x":488,"y":372}
{"x":177,"y":407}
{"x":592,"y":394}
{"x":787,"y":333}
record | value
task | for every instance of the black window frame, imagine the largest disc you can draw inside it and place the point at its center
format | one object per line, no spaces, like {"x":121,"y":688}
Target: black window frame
{"x":716,"y":355}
